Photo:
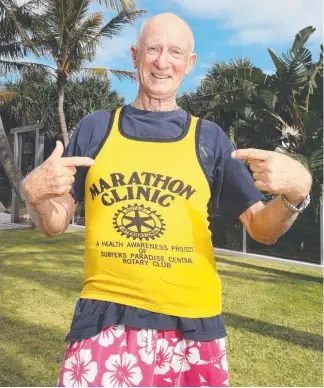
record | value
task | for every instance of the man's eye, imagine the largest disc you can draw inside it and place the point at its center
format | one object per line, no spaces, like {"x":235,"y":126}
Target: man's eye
{"x":177,"y":53}
{"x":152,"y":49}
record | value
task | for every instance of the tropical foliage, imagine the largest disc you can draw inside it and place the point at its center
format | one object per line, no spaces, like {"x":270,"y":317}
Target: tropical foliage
{"x":35,"y":101}
{"x":67,"y":32}
{"x":281,"y":112}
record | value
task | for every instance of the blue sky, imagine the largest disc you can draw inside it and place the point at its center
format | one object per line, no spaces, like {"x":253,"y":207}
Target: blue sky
{"x":223,"y":29}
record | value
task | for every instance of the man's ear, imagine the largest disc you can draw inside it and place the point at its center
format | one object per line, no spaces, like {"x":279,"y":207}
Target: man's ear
{"x":191,"y":61}
{"x":134,"y":51}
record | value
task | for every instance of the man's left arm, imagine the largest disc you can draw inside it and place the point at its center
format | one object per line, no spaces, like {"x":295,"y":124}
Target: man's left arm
{"x":277,"y":174}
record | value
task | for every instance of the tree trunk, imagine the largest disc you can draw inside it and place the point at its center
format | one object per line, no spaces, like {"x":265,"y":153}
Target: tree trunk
{"x":8,"y":162}
{"x":60,"y":91}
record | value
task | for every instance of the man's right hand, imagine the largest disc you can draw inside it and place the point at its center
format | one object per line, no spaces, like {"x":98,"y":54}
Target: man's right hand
{"x":54,"y":177}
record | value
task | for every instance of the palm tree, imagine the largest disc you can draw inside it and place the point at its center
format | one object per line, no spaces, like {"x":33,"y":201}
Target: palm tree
{"x":17,"y":37}
{"x":275,"y":112}
{"x":35,"y":100}
{"x":282,"y":112}
{"x":69,"y":33}
{"x":22,"y":34}
{"x":14,"y":23}
{"x":282,"y":98}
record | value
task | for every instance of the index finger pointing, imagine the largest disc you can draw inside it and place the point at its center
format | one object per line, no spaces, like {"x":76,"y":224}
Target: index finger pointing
{"x":77,"y":161}
{"x":250,"y":153}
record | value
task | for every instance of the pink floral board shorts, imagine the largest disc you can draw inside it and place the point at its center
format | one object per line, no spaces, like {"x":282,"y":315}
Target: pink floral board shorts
{"x":127,"y":357}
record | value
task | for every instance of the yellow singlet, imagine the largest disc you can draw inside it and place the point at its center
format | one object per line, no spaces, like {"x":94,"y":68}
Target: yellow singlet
{"x":147,"y":242}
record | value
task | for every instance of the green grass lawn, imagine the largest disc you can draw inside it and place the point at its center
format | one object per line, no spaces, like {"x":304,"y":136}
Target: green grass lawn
{"x":273,"y":313}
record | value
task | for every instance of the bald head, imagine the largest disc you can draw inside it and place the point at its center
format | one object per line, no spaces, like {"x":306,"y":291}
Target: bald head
{"x":165,"y":22}
{"x":163,"y":56}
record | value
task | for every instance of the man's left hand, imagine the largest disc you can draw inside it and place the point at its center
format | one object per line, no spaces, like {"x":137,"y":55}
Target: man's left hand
{"x":277,"y":173}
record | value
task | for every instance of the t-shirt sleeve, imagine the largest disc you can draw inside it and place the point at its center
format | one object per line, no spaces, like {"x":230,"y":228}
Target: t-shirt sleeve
{"x":237,"y":190}
{"x":86,"y":140}
{"x":75,"y":148}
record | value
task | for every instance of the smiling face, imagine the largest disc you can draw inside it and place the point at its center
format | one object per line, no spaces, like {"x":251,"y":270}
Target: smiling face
{"x":163,"y":55}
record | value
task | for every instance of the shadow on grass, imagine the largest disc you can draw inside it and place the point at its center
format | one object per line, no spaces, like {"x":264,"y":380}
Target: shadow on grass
{"x":297,"y":276}
{"x":32,"y":341}
{"x":46,"y":277}
{"x":253,"y":277}
{"x":296,"y":337}
{"x":26,"y":239}
{"x":26,"y":259}
{"x":9,"y":367}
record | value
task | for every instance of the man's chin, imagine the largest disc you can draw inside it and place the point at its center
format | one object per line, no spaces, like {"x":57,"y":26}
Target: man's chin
{"x":160,"y":92}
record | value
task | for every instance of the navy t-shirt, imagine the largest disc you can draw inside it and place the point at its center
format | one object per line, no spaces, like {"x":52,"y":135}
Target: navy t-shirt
{"x":233,"y":192}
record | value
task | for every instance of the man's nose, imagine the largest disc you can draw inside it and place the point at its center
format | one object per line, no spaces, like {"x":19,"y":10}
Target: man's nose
{"x":162,"y":61}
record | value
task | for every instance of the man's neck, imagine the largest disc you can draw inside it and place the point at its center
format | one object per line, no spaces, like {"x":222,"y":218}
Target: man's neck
{"x":144,"y":102}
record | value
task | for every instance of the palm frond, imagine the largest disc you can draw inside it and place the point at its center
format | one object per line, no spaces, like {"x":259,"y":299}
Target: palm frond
{"x":251,"y":74}
{"x":276,"y":116}
{"x":16,"y":23}
{"x":85,"y":31}
{"x":118,"y":23}
{"x":301,"y":38}
{"x":236,"y":106}
{"x":316,"y":161}
{"x":118,"y":5}
{"x":211,"y":96}
{"x":13,"y":50}
{"x":80,"y":10}
{"x":6,"y":96}
{"x":269,"y":97}
{"x":278,"y":62}
{"x":7,"y":67}
{"x":83,"y":40}
{"x":298,"y":62}
{"x":311,"y":122}
{"x":120,"y":74}
{"x":315,"y":69}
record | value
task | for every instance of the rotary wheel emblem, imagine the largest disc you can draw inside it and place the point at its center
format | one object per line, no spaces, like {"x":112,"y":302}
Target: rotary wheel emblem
{"x":139,"y":222}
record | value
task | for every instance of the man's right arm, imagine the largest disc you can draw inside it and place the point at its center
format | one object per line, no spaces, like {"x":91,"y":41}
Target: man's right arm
{"x":54,"y":215}
{"x":47,"y":191}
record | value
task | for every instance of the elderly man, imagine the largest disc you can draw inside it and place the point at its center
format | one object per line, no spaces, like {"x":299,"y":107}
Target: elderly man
{"x":149,"y":313}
